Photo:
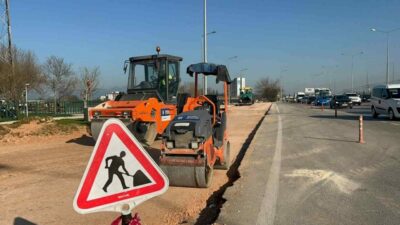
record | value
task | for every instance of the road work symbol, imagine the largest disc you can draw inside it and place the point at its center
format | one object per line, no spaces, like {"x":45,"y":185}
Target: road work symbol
{"x":116,"y":163}
{"x":120,"y":172}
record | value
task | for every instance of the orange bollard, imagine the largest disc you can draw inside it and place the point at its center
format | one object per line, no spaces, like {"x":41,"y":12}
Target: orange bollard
{"x":361,"y":131}
{"x":322,"y":107}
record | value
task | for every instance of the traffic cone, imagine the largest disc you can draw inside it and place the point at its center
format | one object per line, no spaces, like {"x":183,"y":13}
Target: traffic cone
{"x":361,"y":130}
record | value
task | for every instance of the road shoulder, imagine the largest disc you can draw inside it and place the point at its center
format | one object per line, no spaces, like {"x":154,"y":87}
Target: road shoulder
{"x":244,"y":197}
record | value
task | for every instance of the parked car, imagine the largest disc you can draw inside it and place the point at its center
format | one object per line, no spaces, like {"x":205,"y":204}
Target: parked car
{"x":355,"y":98}
{"x":341,"y":101}
{"x":322,"y":100}
{"x":386,"y":100}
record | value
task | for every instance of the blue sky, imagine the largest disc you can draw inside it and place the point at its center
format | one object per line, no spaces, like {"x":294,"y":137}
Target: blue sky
{"x":267,"y":36}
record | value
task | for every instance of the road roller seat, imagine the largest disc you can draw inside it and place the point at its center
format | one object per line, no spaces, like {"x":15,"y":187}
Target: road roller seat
{"x":188,"y":126}
{"x":214,"y":99}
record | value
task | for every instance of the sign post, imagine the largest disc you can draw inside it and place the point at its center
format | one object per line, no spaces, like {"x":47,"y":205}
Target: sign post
{"x":120,"y":174}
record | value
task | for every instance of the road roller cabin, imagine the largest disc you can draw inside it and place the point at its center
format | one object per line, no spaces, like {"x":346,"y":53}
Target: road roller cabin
{"x":150,"y":102}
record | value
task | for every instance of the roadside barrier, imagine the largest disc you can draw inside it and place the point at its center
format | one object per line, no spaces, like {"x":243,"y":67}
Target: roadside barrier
{"x":361,"y":130}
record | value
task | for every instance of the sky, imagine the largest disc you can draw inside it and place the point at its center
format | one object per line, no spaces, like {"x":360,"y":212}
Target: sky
{"x":306,"y":43}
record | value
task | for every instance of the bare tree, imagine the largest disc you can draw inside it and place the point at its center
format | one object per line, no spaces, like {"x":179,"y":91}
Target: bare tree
{"x":188,"y":87}
{"x":60,"y":78}
{"x":26,"y":70}
{"x":267,"y":89}
{"x":89,"y":83}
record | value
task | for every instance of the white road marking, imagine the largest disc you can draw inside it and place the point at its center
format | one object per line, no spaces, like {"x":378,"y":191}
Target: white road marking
{"x":344,"y":184}
{"x":266,"y":216}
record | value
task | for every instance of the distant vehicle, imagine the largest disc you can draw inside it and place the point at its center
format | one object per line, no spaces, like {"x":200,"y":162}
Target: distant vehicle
{"x":341,"y":101}
{"x":246,"y":96}
{"x":290,"y":99}
{"x":322,"y":92}
{"x":365,"y":98}
{"x":311,"y":99}
{"x":322,"y":100}
{"x":304,"y":100}
{"x":309,"y":91}
{"x":299,"y":96}
{"x":386,"y":100}
{"x":355,"y":98}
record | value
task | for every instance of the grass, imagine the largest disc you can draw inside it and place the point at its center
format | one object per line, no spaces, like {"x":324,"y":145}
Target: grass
{"x":20,"y":122}
{"x":78,"y":122}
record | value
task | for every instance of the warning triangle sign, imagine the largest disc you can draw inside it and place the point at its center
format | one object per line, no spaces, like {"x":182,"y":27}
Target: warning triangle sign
{"x":119,"y":172}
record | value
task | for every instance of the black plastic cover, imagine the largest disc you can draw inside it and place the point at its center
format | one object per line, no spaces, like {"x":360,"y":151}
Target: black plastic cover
{"x":198,"y":122}
{"x":220,"y":71}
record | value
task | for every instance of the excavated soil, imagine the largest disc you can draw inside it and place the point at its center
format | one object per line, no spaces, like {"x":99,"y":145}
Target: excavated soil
{"x":39,"y":176}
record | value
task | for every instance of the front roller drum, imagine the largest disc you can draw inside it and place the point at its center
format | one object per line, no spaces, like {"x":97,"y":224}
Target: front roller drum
{"x":187,"y":175}
{"x":96,"y":125}
{"x":95,"y":128}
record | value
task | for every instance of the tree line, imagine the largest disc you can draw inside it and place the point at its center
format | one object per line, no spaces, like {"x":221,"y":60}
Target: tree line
{"x":53,"y":79}
{"x":265,"y":89}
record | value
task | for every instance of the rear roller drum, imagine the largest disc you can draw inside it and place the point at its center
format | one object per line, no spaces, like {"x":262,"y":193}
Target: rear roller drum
{"x":188,"y":176}
{"x":95,"y":128}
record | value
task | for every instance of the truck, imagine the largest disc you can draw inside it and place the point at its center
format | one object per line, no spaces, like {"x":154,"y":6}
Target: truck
{"x":322,"y":92}
{"x":298,"y":96}
{"x":309,"y":91}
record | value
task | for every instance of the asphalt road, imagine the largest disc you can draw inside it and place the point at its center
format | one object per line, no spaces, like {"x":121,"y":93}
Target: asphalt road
{"x":308,"y":168}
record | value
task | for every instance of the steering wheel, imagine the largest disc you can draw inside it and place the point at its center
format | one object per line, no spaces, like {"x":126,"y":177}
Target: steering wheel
{"x":144,"y":85}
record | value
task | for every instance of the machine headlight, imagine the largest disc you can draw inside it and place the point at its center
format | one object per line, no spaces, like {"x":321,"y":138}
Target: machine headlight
{"x":194,"y":144}
{"x":170,"y":144}
{"x":96,"y":113}
{"x":126,"y":113}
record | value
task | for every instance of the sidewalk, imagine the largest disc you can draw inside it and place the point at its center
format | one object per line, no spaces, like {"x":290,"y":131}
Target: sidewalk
{"x":75,"y":116}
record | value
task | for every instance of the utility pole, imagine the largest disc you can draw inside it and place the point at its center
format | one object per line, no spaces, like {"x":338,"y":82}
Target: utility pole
{"x":26,"y":100}
{"x":393,"y":72}
{"x":5,"y":35}
{"x":352,"y":68}
{"x":386,"y":32}
{"x":205,"y":46}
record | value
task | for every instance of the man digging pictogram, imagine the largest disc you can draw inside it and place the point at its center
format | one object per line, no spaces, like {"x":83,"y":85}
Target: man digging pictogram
{"x":116,"y":162}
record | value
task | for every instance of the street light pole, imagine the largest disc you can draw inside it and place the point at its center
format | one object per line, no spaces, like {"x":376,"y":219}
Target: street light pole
{"x":229,"y":87}
{"x":387,"y":58}
{"x":205,"y":45}
{"x":352,"y":74}
{"x":26,"y":100}
{"x":281,"y":81}
{"x":352,"y":68}
{"x":387,"y":32}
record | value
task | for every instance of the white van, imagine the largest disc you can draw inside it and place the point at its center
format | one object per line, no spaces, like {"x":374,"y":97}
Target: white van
{"x":385,"y":99}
